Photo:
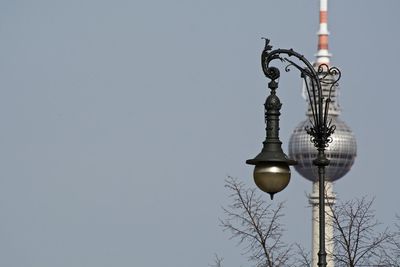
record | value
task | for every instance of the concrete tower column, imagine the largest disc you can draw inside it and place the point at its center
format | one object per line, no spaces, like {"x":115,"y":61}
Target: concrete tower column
{"x":330,"y":199}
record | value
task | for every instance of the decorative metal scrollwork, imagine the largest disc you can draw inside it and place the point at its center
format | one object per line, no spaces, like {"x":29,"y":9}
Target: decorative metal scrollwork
{"x":320,"y":129}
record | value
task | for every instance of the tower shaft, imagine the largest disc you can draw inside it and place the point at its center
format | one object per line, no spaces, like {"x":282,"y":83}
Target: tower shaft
{"x":330,"y":200}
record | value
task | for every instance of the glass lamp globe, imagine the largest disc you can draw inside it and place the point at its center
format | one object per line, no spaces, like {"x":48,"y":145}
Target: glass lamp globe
{"x":272,"y":177}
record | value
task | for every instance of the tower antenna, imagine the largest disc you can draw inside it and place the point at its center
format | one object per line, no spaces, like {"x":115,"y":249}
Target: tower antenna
{"x":323,"y":56}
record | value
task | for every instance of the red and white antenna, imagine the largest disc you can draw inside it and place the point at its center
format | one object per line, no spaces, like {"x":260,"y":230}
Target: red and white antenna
{"x":323,"y":56}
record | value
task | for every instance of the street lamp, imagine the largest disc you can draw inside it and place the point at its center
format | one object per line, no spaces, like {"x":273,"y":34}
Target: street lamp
{"x":272,"y":172}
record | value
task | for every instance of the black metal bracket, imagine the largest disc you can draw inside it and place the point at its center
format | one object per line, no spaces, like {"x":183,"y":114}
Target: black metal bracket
{"x":321,"y":128}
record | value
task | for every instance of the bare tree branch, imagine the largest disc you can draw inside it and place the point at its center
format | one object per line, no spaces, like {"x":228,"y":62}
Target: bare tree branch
{"x":256,"y":224}
{"x":356,"y":238}
{"x":391,"y":256}
{"x":303,"y":257}
{"x":217,"y":261}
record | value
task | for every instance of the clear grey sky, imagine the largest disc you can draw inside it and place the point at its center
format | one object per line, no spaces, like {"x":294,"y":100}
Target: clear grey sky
{"x":121,"y":119}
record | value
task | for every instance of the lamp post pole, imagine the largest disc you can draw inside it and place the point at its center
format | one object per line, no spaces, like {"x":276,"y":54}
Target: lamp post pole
{"x":271,"y":172}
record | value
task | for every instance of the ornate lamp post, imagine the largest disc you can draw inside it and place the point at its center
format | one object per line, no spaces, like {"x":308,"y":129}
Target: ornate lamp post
{"x":272,"y":172}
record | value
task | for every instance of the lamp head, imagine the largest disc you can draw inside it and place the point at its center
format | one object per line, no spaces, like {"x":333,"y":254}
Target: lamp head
{"x":271,"y":173}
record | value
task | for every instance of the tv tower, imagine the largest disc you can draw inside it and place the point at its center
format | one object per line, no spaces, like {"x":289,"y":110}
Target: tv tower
{"x":341,"y":152}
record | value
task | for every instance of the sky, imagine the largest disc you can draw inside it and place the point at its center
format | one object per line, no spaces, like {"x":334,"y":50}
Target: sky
{"x":120,"y":121}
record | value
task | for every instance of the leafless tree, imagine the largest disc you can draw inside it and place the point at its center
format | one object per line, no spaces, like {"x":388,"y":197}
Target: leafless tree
{"x":256,"y":225}
{"x":395,"y":242}
{"x":392,"y":253}
{"x":302,"y":257}
{"x":217,"y":261}
{"x":357,"y":239}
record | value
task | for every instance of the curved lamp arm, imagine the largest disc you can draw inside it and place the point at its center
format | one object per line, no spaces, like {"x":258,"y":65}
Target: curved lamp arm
{"x":321,"y":129}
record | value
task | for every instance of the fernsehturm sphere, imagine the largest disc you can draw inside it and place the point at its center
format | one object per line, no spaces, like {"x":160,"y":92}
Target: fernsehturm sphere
{"x":341,"y":151}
